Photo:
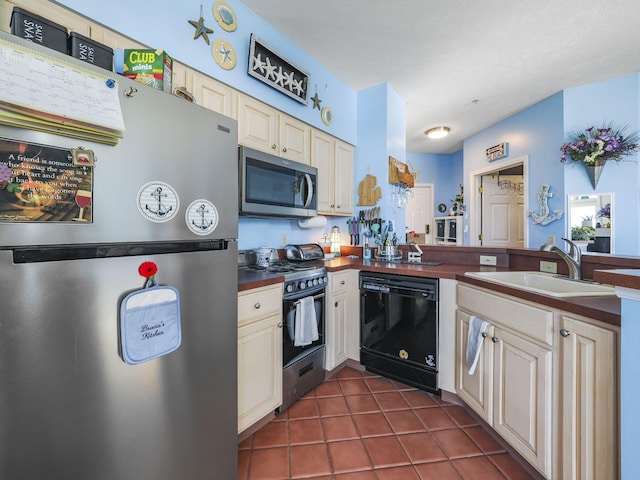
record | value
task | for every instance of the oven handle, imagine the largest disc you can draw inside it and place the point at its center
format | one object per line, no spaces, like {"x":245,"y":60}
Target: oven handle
{"x":315,"y":297}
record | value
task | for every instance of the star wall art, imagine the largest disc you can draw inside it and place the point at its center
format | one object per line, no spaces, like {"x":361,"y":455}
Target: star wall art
{"x":201,"y":29}
{"x":268,"y":66}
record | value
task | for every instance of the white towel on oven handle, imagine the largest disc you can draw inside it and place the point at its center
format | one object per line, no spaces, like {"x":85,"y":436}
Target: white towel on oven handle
{"x":306,"y":324}
{"x":477,"y":326}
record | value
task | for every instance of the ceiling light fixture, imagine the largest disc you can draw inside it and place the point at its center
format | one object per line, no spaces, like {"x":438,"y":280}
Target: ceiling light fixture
{"x":438,"y":132}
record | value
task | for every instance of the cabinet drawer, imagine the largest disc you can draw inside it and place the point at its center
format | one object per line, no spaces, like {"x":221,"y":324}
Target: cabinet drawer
{"x":342,"y":282}
{"x":259,"y":303}
{"x":525,"y":318}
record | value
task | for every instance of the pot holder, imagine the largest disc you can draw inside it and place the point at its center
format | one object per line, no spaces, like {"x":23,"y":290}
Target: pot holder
{"x":149,"y":323}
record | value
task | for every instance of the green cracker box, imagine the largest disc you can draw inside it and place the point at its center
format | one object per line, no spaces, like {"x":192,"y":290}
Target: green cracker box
{"x":151,"y":67}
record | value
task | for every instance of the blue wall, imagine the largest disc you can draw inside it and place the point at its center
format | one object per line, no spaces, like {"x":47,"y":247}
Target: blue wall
{"x":538,"y":133}
{"x":443,"y":171}
{"x":597,"y":104}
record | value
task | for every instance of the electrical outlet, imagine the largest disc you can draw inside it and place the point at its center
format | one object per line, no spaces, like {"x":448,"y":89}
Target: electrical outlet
{"x":552,"y":239}
{"x":548,"y":267}
{"x":284,"y":239}
{"x":488,"y":260}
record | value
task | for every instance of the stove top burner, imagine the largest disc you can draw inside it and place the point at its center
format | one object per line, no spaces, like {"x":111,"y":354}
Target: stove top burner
{"x":282,"y":266}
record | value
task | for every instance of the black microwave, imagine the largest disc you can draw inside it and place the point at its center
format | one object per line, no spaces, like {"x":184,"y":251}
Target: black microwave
{"x":272,"y":186}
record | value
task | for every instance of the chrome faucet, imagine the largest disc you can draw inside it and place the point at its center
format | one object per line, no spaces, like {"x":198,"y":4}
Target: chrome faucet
{"x":572,"y":259}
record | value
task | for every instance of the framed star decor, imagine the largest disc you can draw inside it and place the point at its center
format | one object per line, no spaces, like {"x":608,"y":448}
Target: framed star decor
{"x":268,"y":66}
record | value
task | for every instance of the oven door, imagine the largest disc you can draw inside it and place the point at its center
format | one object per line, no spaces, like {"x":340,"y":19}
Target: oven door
{"x":290,"y":352}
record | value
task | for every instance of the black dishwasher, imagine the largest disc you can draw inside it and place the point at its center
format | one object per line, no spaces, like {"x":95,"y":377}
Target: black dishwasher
{"x":399,"y":328}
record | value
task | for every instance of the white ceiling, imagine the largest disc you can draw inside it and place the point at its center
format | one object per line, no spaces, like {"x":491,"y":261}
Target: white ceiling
{"x":441,"y":56}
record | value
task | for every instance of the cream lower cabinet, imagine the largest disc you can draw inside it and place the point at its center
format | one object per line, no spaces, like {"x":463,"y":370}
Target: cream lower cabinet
{"x":259,"y":353}
{"x":589,"y":387}
{"x":334,"y":161}
{"x":546,"y":381}
{"x":342,"y":318}
{"x":513,"y":385}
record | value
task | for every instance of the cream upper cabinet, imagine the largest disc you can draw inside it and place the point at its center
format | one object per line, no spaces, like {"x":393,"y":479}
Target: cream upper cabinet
{"x":265,"y":129}
{"x":513,"y":385}
{"x":342,"y":319}
{"x":212,"y":94}
{"x":259,"y":353}
{"x":334,"y":161}
{"x":589,"y":387}
{"x":294,"y":139}
{"x":257,"y":125}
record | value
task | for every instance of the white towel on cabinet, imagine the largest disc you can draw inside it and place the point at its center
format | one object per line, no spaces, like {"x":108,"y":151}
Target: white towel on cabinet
{"x":477,"y":326}
{"x":306,"y":322}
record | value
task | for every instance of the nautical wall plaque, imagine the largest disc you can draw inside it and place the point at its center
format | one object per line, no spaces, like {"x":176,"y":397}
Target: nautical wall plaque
{"x":268,"y":66}
{"x":39,"y":183}
{"x":497,"y":151}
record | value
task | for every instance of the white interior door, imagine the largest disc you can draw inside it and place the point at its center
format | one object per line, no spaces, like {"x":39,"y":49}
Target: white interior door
{"x":419,"y":211}
{"x":503,"y":210}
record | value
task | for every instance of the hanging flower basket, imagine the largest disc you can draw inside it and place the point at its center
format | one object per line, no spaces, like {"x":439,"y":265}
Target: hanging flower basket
{"x":593,"y":147}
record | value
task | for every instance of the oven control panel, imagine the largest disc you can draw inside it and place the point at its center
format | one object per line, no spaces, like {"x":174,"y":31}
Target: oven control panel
{"x":307,"y":283}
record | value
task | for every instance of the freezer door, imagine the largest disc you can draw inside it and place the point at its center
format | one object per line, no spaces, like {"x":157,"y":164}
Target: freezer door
{"x":189,"y":151}
{"x":71,"y":408}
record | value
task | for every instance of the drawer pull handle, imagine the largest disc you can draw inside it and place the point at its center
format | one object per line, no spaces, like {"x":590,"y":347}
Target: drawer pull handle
{"x":336,"y":304}
{"x":564,"y":333}
{"x":280,"y":325}
{"x":284,"y":149}
{"x":274,"y":146}
{"x":342,"y":282}
{"x":257,"y":306}
{"x":485,"y":334}
{"x":495,"y":339}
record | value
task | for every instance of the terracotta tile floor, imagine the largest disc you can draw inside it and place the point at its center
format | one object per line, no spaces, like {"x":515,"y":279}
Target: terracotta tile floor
{"x":360,"y":426}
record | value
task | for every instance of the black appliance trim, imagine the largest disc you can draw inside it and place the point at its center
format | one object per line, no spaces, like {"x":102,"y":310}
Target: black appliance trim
{"x":110,"y":250}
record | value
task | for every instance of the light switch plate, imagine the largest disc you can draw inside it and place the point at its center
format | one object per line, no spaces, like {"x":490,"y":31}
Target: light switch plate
{"x":548,"y":267}
{"x":488,"y":260}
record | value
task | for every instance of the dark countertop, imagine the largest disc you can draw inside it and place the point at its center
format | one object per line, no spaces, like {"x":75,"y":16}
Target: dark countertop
{"x":627,"y":278}
{"x":248,"y":279}
{"x":605,"y":309}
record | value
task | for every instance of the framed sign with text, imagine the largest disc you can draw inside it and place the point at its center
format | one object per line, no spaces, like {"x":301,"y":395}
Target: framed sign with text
{"x":39,"y":183}
{"x":497,"y":151}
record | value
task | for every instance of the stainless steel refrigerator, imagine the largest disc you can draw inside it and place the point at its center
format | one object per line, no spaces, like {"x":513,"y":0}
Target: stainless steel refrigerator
{"x":70,"y":406}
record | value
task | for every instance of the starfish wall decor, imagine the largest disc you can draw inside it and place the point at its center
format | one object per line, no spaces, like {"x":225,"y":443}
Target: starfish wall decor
{"x":201,"y":29}
{"x":266,"y":65}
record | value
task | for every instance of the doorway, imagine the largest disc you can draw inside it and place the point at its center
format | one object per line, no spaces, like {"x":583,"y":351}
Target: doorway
{"x":419,"y":211}
{"x":498,"y":205}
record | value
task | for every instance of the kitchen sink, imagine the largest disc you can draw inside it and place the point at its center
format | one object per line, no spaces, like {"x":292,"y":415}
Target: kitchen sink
{"x":545,"y":283}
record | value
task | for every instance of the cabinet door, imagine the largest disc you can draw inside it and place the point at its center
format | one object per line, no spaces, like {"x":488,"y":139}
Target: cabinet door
{"x":257,"y":125}
{"x":212,"y":94}
{"x":294,"y":139}
{"x":259,"y":370}
{"x":336,"y":332}
{"x":476,"y":389}
{"x":522,"y":396}
{"x":589,"y":401}
{"x":322,"y":158}
{"x":343,"y":176}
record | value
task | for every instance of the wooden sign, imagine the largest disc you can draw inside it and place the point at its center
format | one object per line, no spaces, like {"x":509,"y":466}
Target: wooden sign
{"x":368,"y":192}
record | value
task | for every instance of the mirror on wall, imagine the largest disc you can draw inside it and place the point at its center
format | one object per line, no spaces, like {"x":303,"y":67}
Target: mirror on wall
{"x":590,"y":222}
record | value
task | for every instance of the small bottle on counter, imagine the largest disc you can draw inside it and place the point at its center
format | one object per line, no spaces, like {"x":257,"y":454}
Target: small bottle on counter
{"x":366,"y":251}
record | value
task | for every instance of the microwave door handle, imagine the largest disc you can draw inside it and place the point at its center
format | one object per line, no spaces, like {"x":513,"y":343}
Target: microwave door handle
{"x":309,"y":190}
